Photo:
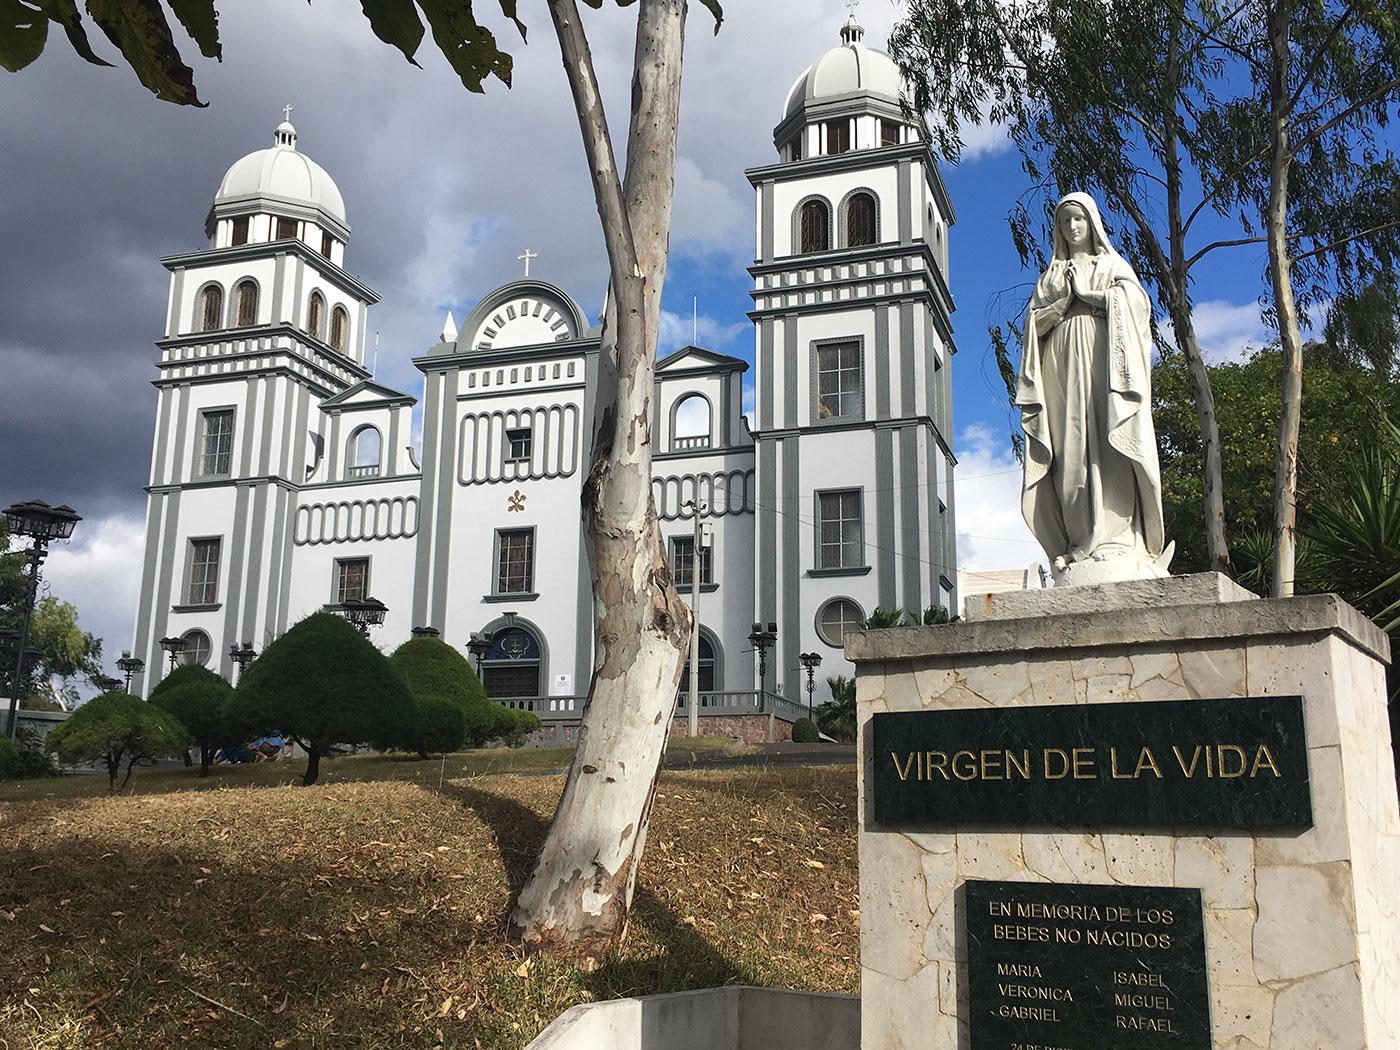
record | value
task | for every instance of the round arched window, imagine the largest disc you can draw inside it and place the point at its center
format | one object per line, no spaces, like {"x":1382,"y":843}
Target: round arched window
{"x":246,"y":304}
{"x":835,"y":618}
{"x":211,"y":309}
{"x":860,"y":220}
{"x":691,"y":423}
{"x":197,"y":648}
{"x":512,"y":665}
{"x":364,"y":452}
{"x":815,"y":222}
{"x":316,"y":316}
{"x":340,"y":327}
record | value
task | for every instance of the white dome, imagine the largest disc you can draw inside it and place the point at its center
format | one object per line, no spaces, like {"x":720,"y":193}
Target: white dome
{"x":852,"y":67}
{"x":281,"y":173}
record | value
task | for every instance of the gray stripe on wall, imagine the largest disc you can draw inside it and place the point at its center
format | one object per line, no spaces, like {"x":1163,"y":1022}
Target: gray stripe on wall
{"x":155,"y":666}
{"x":790,"y":417}
{"x":234,"y":587}
{"x":145,"y":612}
{"x":767,"y":547}
{"x":300,"y":269}
{"x":442,"y":532}
{"x":300,"y":436}
{"x":279,"y":286}
{"x":333,"y":450}
{"x":949,"y":536}
{"x":269,"y":414}
{"x":427,"y":489}
{"x":766,"y":221}
{"x":284,"y":525}
{"x":882,"y":362}
{"x":583,"y":613}
{"x":391,"y":459}
{"x":250,"y":408}
{"x":906,"y":358}
{"x":931,"y":373}
{"x":911,"y":535}
{"x":935,"y":522}
{"x":278,"y":583}
{"x":765,"y":374}
{"x":165,"y":397}
{"x":884,"y":518}
{"x":906,"y":203}
{"x":179,"y":435}
{"x":726,"y":407}
{"x":255,"y":564}
{"x":788,"y":670}
{"x":177,"y":300}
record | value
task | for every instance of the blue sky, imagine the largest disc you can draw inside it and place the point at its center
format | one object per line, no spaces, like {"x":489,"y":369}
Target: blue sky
{"x":444,"y":189}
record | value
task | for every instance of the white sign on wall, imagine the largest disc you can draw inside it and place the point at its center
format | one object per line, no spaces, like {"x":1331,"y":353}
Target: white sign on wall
{"x":562,"y":685}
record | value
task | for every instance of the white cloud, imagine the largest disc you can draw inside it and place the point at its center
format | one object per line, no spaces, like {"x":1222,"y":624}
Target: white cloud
{"x":679,"y":330}
{"x":99,"y":571}
{"x":992,"y":535}
{"x":1228,"y":331}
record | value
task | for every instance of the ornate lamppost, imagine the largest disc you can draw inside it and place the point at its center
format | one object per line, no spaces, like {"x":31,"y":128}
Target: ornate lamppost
{"x":242,"y":655}
{"x":810,"y":662}
{"x":108,"y":684}
{"x":425,"y":632}
{"x":479,"y":645}
{"x":174,"y":647}
{"x":130,"y":666}
{"x":42,"y":524}
{"x":363,"y":613}
{"x":763,"y":640}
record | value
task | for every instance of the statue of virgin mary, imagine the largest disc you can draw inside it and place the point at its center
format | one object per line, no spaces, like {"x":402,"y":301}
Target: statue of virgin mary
{"x":1092,"y":492}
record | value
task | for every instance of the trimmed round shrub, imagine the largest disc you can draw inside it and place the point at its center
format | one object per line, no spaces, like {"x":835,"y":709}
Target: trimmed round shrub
{"x":432,"y":667}
{"x":804,"y":731}
{"x":321,"y":684}
{"x":114,"y":728}
{"x":514,"y":727}
{"x":440,"y":725}
{"x":196,"y":698}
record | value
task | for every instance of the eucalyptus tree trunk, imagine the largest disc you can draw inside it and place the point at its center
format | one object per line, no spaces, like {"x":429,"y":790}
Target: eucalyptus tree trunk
{"x":1280,"y":277}
{"x":581,"y":888}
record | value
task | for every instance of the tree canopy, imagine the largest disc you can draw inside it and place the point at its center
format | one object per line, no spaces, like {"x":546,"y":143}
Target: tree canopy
{"x":196,"y":698}
{"x":117,"y":728}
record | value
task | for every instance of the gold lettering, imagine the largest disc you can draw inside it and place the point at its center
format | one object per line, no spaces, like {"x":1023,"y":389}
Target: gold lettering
{"x":966,"y":770}
{"x":903,"y":773}
{"x":937,"y":762}
{"x":1084,"y":764}
{"x":1231,"y":749}
{"x":1190,"y":770}
{"x":1148,"y":761}
{"x":1113,"y":766}
{"x":1064,"y":767}
{"x":991,"y":770}
{"x":1023,"y":766}
{"x":1264,"y":757}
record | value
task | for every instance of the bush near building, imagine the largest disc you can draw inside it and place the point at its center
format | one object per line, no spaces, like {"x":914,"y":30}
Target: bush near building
{"x":435,"y":672}
{"x":321,"y":684}
{"x":117,"y":728}
{"x":196,"y":697}
{"x":804,"y":731}
{"x":25,"y":758}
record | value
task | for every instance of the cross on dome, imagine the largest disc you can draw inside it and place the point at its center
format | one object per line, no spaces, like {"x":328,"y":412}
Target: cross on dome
{"x":286,"y":136}
{"x":852,"y":32}
{"x":287,"y":110}
{"x":527,"y":257}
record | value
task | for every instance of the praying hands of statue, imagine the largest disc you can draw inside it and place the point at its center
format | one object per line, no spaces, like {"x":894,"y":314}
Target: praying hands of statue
{"x":1079,"y":289}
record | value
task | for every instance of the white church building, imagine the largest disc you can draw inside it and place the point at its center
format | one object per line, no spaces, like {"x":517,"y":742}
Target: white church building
{"x":285,"y":479}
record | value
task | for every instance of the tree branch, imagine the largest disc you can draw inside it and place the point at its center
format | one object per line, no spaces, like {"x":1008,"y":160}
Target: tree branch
{"x":1317,"y":132}
{"x":1347,"y":240}
{"x":1319,"y":55}
{"x":1222,"y":244}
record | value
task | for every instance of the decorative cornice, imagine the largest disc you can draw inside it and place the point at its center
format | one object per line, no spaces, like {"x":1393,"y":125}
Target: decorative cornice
{"x":347,"y":282}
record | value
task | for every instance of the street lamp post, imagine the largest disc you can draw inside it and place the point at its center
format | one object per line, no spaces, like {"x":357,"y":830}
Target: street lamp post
{"x":363,"y":613}
{"x":425,"y":632}
{"x":130,"y":666}
{"x":479,"y":645}
{"x":108,"y":684}
{"x":762,"y":640}
{"x":173,"y":647}
{"x":42,"y":524}
{"x":242,"y":655}
{"x":810,"y":662}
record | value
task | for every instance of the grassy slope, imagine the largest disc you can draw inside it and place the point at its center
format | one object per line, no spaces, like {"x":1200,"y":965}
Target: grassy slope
{"x":371,"y":914}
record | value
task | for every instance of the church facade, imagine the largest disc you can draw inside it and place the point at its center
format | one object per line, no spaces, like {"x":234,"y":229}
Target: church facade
{"x":285,"y":479}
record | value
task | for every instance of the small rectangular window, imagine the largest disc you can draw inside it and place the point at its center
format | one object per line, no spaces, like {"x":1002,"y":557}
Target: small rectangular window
{"x":351,"y":579}
{"x":682,"y":560}
{"x":286,"y":229}
{"x":326,"y":244}
{"x":519,"y":445}
{"x":838,"y":136}
{"x":839,"y":543}
{"x":889,"y":133}
{"x":515,"y":561}
{"x":216,"y":443}
{"x":204,"y":572}
{"x":240,"y":230}
{"x":839,"y":393}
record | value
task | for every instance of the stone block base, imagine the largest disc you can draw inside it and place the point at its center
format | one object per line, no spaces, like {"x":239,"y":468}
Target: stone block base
{"x":748,"y":729}
{"x":1302,"y":929}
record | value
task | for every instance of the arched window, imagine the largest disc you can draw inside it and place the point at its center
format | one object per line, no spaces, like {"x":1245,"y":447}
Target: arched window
{"x":246,"y":300}
{"x":211,"y":308}
{"x":707,"y":668}
{"x":512,"y":665}
{"x":835,"y":618}
{"x":316,"y":316}
{"x":690,"y":422}
{"x":364,"y":453}
{"x":197,"y":648}
{"x":340,"y":327}
{"x":860,"y":220}
{"x":816,"y":227}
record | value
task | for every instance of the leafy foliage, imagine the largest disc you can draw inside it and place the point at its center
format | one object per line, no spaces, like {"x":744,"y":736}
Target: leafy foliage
{"x":141,"y":32}
{"x":439,"y":725}
{"x":196,"y":697}
{"x":24,"y":759}
{"x":435,"y":671}
{"x":114,"y":728}
{"x":882,"y":618}
{"x":322,"y":683}
{"x":804,"y":731}
{"x":837,"y":717}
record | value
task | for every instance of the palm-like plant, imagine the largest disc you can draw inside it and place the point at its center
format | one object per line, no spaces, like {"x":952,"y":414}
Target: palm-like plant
{"x":837,"y":717}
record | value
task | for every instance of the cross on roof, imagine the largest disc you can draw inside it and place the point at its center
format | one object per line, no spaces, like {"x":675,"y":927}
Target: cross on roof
{"x":851,"y":6}
{"x":527,"y":257}
{"x":287,"y":114}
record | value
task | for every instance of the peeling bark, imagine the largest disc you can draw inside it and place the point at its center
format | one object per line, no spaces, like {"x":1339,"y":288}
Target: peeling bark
{"x":581,"y":888}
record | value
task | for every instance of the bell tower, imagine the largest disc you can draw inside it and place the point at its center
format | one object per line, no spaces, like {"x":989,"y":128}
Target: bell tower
{"x":853,"y":344}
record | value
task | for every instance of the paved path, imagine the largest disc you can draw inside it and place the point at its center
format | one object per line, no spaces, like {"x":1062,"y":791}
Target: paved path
{"x":767,"y":756}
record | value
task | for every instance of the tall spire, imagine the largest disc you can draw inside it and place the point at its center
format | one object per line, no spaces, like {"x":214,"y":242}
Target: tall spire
{"x":286,"y":135}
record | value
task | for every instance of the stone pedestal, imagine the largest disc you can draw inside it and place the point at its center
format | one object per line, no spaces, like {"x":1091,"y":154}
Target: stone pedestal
{"x":1302,"y":929}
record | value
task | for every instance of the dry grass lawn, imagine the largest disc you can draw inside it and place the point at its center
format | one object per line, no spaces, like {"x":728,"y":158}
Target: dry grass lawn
{"x":371,"y":913}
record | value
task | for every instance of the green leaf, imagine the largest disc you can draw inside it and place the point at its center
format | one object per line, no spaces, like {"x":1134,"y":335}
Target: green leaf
{"x":201,"y":22}
{"x":23,"y":32}
{"x":508,"y":8}
{"x":469,"y":47}
{"x":140,"y":31}
{"x":395,"y":22}
{"x":715,"y":10}
{"x":65,"y":13}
